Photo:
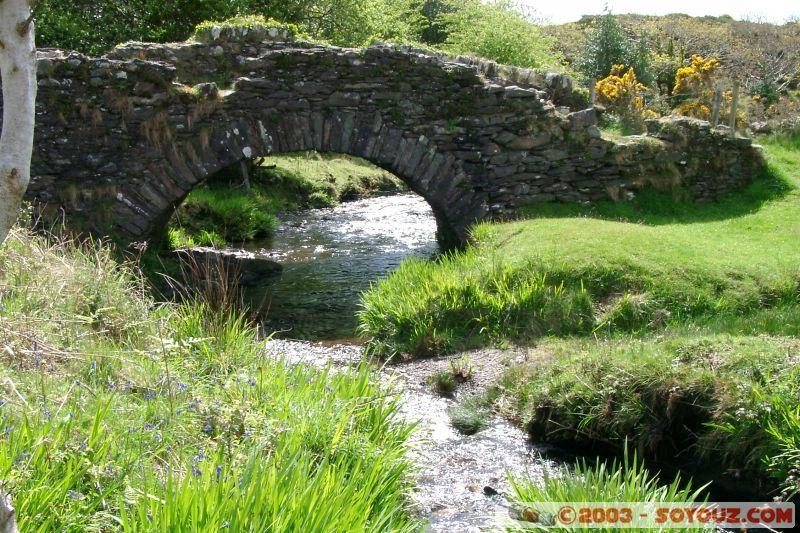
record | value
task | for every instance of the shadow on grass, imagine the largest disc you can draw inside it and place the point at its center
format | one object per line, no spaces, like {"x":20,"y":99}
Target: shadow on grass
{"x":655,"y":208}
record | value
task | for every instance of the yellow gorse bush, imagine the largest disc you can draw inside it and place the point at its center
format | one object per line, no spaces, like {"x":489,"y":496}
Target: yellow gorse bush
{"x":698,"y":77}
{"x":621,"y":90}
{"x":622,"y":94}
{"x":697,"y":81}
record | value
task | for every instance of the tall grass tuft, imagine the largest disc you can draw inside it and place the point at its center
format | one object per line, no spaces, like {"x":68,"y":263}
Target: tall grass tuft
{"x":629,"y":481}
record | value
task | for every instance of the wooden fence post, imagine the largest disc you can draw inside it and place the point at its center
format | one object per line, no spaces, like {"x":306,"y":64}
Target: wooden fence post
{"x":734,"y":106}
{"x":591,"y":94}
{"x":715,"y":106}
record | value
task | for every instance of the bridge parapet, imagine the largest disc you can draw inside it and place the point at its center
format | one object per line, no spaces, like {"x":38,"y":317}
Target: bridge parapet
{"x":122,"y":139}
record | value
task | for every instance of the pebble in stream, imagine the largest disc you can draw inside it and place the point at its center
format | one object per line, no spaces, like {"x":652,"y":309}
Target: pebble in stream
{"x":457,"y":474}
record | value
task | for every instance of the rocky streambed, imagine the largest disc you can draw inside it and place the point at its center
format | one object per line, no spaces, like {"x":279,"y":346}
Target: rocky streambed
{"x":461,"y":480}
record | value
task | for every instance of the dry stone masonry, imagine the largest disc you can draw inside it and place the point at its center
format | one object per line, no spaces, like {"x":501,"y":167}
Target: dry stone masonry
{"x":122,"y":139}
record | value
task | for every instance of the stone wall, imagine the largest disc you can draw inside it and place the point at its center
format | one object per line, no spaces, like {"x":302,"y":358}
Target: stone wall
{"x":122,"y":139}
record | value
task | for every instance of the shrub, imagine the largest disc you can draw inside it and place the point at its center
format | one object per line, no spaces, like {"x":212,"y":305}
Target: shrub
{"x":442,"y":382}
{"x":497,"y":30}
{"x":623,"y":95}
{"x":607,"y":46}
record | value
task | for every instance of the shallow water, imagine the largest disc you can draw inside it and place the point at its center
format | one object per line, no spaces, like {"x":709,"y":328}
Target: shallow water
{"x":329,"y":257}
{"x":332,"y":255}
{"x":453,"y":470}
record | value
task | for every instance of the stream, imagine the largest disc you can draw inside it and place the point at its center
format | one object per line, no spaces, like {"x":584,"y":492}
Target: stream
{"x":461,"y":480}
{"x":329,"y":257}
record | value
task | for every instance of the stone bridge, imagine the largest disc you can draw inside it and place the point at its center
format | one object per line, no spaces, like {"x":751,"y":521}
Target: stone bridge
{"x":122,"y":139}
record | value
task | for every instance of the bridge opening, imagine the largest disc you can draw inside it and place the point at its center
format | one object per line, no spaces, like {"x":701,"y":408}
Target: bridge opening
{"x":314,"y":230}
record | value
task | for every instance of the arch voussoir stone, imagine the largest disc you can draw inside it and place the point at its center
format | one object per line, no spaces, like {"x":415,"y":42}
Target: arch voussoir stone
{"x":136,"y":130}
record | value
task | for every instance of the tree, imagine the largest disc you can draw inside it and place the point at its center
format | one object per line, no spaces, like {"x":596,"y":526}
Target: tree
{"x":498,"y":30}
{"x":18,"y":75}
{"x":608,"y":46}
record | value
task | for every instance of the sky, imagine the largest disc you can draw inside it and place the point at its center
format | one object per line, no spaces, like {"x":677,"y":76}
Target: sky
{"x":777,"y":11}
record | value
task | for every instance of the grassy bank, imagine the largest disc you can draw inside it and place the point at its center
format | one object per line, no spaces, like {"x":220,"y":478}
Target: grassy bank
{"x":663,"y":323}
{"x":120,"y":414}
{"x":635,"y":266}
{"x":722,"y":405}
{"x":222,"y":211}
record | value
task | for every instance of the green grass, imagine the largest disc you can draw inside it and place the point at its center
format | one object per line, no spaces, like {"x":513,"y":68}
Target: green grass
{"x":704,"y":401}
{"x":117,"y":414}
{"x":568,"y":269}
{"x":469,"y":415}
{"x":222,"y":212}
{"x":628,"y":482}
{"x":660,"y":322}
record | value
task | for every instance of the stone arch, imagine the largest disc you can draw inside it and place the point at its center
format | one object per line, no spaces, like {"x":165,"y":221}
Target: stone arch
{"x":412,"y":158}
{"x":121,"y":140}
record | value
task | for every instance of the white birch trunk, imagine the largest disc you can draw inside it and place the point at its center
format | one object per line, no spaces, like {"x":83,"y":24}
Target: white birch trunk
{"x":18,"y":72}
{"x":8,"y":522}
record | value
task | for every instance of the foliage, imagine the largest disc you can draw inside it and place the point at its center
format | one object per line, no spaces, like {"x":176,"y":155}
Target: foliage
{"x":469,"y":415}
{"x":784,"y":427}
{"x":704,"y":400}
{"x":603,"y":482}
{"x":622,"y":94}
{"x":607,"y":46}
{"x":755,"y":53}
{"x":496,"y":30}
{"x":428,"y":308}
{"x":246,"y":21}
{"x":122,"y":415}
{"x":442,"y":382}
{"x":561,"y":271}
{"x":695,"y":86}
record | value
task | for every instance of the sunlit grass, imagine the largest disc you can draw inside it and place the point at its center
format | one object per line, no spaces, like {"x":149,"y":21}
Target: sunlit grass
{"x":612,"y":267}
{"x":117,"y":414}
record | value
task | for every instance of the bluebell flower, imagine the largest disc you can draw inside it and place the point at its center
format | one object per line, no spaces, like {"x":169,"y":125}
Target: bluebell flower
{"x":148,"y":396}
{"x":196,"y":471}
{"x":149,"y":426}
{"x":207,"y":428}
{"x":182,"y":386}
{"x":219,"y":471}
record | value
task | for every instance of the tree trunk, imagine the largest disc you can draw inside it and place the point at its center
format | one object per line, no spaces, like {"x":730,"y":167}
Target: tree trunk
{"x":18,"y":74}
{"x":8,"y":521}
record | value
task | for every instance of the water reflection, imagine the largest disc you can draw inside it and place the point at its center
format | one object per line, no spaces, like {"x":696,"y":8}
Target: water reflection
{"x":331,"y":255}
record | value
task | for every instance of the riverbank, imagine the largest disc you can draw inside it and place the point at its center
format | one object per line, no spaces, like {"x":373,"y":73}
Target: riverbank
{"x":119,"y":413}
{"x":232,"y":208}
{"x":659,"y":322}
